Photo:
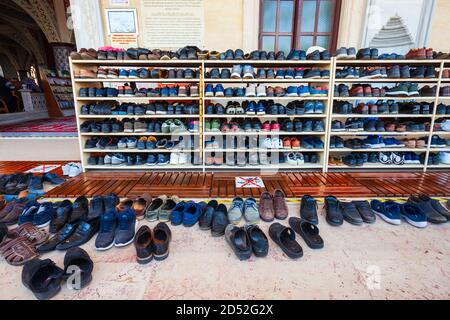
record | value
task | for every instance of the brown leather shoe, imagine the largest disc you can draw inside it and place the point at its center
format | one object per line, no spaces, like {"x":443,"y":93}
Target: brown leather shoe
{"x":18,"y":251}
{"x":266,"y":210}
{"x":280,"y":205}
{"x":13,"y":216}
{"x":7,"y":209}
{"x":141,"y":204}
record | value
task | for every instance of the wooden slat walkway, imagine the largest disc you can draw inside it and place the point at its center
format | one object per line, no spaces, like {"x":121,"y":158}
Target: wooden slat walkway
{"x":222,"y":185}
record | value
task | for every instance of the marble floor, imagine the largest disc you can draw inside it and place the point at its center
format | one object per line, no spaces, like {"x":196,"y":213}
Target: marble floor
{"x":377,"y":261}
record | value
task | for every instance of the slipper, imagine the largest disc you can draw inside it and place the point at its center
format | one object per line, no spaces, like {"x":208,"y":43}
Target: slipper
{"x":77,"y":257}
{"x":308,"y":231}
{"x":141,"y":204}
{"x":284,"y":237}
{"x":42,"y":277}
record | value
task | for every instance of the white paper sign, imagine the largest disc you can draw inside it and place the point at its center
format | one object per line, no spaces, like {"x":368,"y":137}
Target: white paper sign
{"x":249,"y":182}
{"x":44,"y":168}
{"x":172,"y":24}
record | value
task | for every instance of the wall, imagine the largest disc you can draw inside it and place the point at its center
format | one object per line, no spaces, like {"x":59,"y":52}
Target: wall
{"x":440,"y":36}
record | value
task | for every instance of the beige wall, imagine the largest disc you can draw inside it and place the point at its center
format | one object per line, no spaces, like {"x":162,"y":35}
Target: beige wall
{"x":439,"y":38}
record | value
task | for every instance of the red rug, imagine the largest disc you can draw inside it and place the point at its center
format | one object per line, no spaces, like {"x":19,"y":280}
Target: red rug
{"x":66,"y":126}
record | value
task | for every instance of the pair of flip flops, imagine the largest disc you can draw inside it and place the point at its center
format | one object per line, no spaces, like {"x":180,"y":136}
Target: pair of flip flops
{"x":284,"y":236}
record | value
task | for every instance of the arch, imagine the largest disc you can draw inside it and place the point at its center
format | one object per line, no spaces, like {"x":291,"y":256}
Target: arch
{"x":44,"y":15}
{"x":11,"y":58}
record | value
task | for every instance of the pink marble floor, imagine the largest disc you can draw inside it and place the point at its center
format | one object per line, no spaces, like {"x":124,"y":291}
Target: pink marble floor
{"x":377,"y":261}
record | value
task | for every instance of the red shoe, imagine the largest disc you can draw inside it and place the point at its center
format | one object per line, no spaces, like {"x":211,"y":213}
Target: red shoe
{"x":274,"y":126}
{"x":357,"y":91}
{"x":266,"y":126}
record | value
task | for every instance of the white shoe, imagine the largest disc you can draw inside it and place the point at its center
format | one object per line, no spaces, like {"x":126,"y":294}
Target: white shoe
{"x":183,"y":158}
{"x":250,"y":91}
{"x":261,"y":90}
{"x":267,"y":143}
{"x":290,"y":158}
{"x":74,"y":170}
{"x":174,"y":158}
{"x":444,"y":157}
{"x":277,"y":143}
{"x":66,"y":169}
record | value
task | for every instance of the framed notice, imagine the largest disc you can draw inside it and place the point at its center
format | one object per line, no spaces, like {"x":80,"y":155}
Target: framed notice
{"x":122,"y":21}
{"x":171,"y":24}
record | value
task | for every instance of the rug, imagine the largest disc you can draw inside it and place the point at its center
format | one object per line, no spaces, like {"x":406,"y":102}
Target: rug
{"x":60,"y":127}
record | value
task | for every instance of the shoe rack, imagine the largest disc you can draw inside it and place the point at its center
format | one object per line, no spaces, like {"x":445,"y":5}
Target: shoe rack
{"x":328,"y":116}
{"x":429,"y":118}
{"x":255,"y":150}
{"x":78,"y":83}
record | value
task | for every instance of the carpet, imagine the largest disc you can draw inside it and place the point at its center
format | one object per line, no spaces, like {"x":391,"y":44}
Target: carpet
{"x":60,"y":127}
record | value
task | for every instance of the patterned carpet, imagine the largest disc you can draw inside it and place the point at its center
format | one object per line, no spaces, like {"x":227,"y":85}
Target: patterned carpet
{"x":60,"y":127}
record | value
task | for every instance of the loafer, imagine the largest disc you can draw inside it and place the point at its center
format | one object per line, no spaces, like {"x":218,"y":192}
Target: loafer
{"x":61,"y":217}
{"x":96,"y":208}
{"x":56,"y":239}
{"x":365,"y":211}
{"x":258,"y":241}
{"x":53,"y":178}
{"x":83,"y":233}
{"x":333,"y":209}
{"x":351,"y":213}
{"x":162,"y":237}
{"x":219,"y":221}
{"x":308,"y":209}
{"x":205,"y":221}
{"x":266,"y":208}
{"x":152,"y":212}
{"x":80,"y":209}
{"x":143,"y":244}
{"x":239,"y":242}
{"x":191,"y":214}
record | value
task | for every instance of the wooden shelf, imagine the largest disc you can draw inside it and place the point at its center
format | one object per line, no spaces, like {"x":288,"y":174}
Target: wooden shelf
{"x":385,"y":98}
{"x":144,"y":167}
{"x":380,"y":166}
{"x":147,"y":116}
{"x":283,"y":150}
{"x":267,"y":98}
{"x":340,"y":62}
{"x":268,"y":167}
{"x":184,"y":133}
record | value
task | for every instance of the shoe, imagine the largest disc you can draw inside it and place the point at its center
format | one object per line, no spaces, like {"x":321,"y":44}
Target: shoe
{"x":333,"y":209}
{"x":238,"y":240}
{"x":236,"y":210}
{"x":126,"y":228}
{"x":78,"y":258}
{"x":284,"y":237}
{"x":96,"y":208}
{"x":219,"y":221}
{"x":424,"y":204}
{"x":82,"y":234}
{"x":389,"y":211}
{"x":191,"y":214}
{"x":280,"y":205}
{"x":61,"y":217}
{"x":53,"y":178}
{"x":309,"y":232}
{"x":365,"y":211}
{"x":414,"y":215}
{"x":51,"y":243}
{"x":43,"y":278}
{"x":258,"y":240}
{"x":266,"y":207}
{"x":165,"y":210}
{"x":161,"y":241}
{"x":308,"y":209}
{"x":140,"y":205}
{"x":143,"y":244}
{"x":205,"y":221}
{"x":106,"y":234}
{"x":153,"y":210}
{"x":351,"y":213}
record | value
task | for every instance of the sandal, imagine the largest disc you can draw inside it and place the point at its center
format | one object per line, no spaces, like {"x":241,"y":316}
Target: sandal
{"x":27,"y":230}
{"x":308,"y":231}
{"x":18,"y":251}
{"x":284,"y":237}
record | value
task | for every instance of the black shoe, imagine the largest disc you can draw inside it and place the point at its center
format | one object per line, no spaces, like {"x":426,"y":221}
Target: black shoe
{"x":42,"y":277}
{"x":424,"y":203}
{"x":365,"y":211}
{"x":96,"y":208}
{"x":61,"y":236}
{"x":78,"y":258}
{"x":436,"y":205}
{"x":219,"y":221}
{"x":161,"y":241}
{"x":284,"y":237}
{"x":205,"y":220}
{"x":61,"y":217}
{"x":258,"y":240}
{"x":308,"y":209}
{"x":126,"y":228}
{"x":143,"y":244}
{"x":308,"y":231}
{"x":351,"y":213}
{"x":84,"y":232}
{"x":24,"y":181}
{"x":3,"y":231}
{"x":80,"y":209}
{"x":333,"y":211}
{"x":238,"y":240}
{"x":111,"y":201}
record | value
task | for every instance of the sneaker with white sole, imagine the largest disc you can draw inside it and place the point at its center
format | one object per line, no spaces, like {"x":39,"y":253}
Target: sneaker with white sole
{"x":183,"y":158}
{"x":74,"y":170}
{"x":261,"y":90}
{"x":250,"y":91}
{"x":174,"y":158}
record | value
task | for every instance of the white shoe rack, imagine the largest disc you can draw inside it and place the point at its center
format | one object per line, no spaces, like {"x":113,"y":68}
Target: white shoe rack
{"x":202,"y":136}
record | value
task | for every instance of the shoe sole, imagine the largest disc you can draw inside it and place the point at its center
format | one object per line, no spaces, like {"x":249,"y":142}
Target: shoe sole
{"x":144,"y":260}
{"x":388,"y":220}
{"x":119,"y":245}
{"x":416,"y":224}
{"x":161,"y":257}
{"x":43,"y":225}
{"x":105,"y":248}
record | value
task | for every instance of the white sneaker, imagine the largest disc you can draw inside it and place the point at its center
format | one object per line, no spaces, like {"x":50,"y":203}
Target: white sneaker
{"x":261,"y":90}
{"x":174,"y":158}
{"x":300,"y":158}
{"x":444,"y":157}
{"x":182,"y":158}
{"x":250,"y":91}
{"x":277,"y":143}
{"x":74,"y":170}
{"x":267,"y":143}
{"x":66,"y":169}
{"x":290,"y":158}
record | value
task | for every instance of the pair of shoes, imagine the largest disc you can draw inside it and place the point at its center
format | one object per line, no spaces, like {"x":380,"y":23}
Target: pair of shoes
{"x":44,"y":214}
{"x":160,"y":208}
{"x":10,"y":213}
{"x":152,"y":244}
{"x":247,"y":240}
{"x":72,"y":169}
{"x":214,"y":218}
{"x":354,"y":212}
{"x":117,"y":228}
{"x":44,"y":277}
{"x":284,"y":236}
{"x":187,"y":213}
{"x":271,"y":207}
{"x":393,"y":212}
{"x":247,"y":208}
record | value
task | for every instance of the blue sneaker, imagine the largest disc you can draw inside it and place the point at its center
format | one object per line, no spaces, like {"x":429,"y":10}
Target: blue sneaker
{"x":151,"y":160}
{"x":229,"y":92}
{"x":191,"y":214}
{"x":28,"y":213}
{"x":251,"y":108}
{"x":299,"y":74}
{"x":35,"y":185}
{"x":176,"y":216}
{"x":389,"y":211}
{"x":309,"y":107}
{"x":319,"y":107}
{"x":303,"y":91}
{"x":316,"y":91}
{"x":53,"y":178}
{"x":173,"y":92}
{"x":260,"y":109}
{"x":291,"y":91}
{"x":414,"y":215}
{"x":133,"y":73}
{"x":106,"y":234}
{"x":289,"y":74}
{"x":209,"y":90}
{"x":123,"y":73}
{"x":219,"y":90}
{"x":163,"y":159}
{"x":44,"y":215}
{"x":280,"y":74}
{"x":307,"y":143}
{"x":313,"y":74}
{"x":239,"y":92}
{"x":374,"y":142}
{"x":164,"y":92}
{"x":126,"y":228}
{"x":317,"y":143}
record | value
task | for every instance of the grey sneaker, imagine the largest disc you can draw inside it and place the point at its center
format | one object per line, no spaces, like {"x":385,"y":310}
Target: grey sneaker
{"x":249,"y":72}
{"x":263,"y":159}
{"x":241,"y":159}
{"x":230,"y":161}
{"x":253,"y":158}
{"x":166,"y":209}
{"x":236,"y":210}
{"x":251,"y":211}
{"x":118,"y":159}
{"x":153,"y":210}
{"x":236,"y":71}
